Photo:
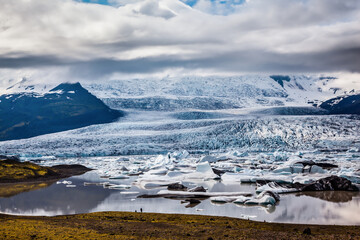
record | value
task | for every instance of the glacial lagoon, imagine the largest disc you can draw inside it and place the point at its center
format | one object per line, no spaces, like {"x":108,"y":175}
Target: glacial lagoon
{"x":87,"y":193}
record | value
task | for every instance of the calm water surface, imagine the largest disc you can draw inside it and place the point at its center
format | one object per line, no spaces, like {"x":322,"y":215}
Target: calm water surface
{"x":57,"y":199}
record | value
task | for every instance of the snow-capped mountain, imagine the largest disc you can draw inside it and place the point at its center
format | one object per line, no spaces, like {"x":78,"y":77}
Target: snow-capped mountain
{"x":205,"y":93}
{"x":210,"y":93}
{"x":201,"y":114}
{"x":343,"y":104}
{"x":64,"y":107}
{"x":25,"y":85}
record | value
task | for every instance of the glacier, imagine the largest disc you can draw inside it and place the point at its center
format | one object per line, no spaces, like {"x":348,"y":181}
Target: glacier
{"x":201,"y":114}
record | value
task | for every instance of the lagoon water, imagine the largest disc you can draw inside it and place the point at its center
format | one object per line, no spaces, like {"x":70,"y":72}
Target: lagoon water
{"x":316,"y":208}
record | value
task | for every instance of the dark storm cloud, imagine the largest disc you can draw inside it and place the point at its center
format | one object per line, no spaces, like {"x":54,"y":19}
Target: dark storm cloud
{"x":31,"y":61}
{"x":244,"y":61}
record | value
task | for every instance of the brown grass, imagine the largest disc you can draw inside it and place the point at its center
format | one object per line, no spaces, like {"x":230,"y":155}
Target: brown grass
{"x":121,"y":225}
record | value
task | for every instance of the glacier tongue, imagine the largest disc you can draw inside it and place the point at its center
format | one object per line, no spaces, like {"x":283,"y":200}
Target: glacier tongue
{"x":139,"y":133}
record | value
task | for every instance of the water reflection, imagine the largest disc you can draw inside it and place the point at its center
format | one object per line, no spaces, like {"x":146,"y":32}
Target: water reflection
{"x":57,"y":199}
{"x":12,"y":189}
{"x":331,"y":196}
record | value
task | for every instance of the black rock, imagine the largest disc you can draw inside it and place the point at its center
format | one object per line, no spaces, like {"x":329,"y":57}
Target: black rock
{"x":197,"y":189}
{"x":321,"y":164}
{"x":218,"y":172}
{"x":332,"y":183}
{"x":307,"y":231}
{"x":343,"y":105}
{"x":176,"y":187}
{"x":327,"y":165}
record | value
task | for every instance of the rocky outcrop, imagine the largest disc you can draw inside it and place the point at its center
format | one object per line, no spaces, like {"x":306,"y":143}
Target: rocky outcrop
{"x":343,"y":105}
{"x":332,"y":183}
{"x":197,"y":189}
{"x":177,"y":187}
{"x":13,"y":171}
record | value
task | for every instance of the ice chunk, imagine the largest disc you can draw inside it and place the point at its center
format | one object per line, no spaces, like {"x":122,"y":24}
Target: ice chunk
{"x":276,"y":188}
{"x":197,"y":189}
{"x":265,"y":198}
{"x":204,"y":170}
{"x":296,"y":168}
{"x":223,"y":199}
{"x":238,"y":154}
{"x":64,"y":182}
{"x":280,"y":156}
{"x":209,"y":159}
{"x":351,"y":177}
{"x":242,"y":199}
{"x":120,"y":187}
{"x":119,"y":177}
{"x":252,"y":178}
{"x":161,"y":171}
{"x":317,"y":169}
{"x":174,"y":174}
{"x":354,"y":149}
{"x":178,"y":155}
{"x":177,"y":194}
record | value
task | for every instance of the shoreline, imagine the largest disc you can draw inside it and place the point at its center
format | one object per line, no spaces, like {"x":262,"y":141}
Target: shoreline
{"x":130,"y":225}
{"x":16,"y":172}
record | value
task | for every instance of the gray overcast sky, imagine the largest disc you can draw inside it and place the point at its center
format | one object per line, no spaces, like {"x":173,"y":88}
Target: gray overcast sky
{"x":72,"y":39}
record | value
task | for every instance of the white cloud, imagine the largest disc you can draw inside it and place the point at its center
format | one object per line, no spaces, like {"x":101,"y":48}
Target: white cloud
{"x":150,"y":37}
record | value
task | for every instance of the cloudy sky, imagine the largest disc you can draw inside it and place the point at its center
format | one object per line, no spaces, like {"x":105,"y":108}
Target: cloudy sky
{"x":104,"y":39}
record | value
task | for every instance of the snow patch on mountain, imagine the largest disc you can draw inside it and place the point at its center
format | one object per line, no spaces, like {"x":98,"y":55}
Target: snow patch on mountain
{"x":174,"y":93}
{"x":194,"y":92}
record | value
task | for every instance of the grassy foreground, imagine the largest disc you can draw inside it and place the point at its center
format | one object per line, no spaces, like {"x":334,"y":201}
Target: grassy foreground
{"x":121,"y":225}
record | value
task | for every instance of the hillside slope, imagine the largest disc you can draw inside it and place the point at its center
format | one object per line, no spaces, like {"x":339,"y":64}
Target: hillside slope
{"x":343,"y":105}
{"x":67,"y":106}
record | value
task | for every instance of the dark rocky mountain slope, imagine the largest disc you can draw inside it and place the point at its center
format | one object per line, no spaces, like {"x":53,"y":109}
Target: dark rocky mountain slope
{"x":67,"y":106}
{"x":343,"y":105}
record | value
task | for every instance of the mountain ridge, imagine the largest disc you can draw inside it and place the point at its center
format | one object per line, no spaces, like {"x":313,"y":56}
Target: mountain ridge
{"x":67,"y":106}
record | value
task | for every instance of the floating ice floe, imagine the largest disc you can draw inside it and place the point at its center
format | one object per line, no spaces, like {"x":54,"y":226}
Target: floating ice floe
{"x":183,"y":194}
{"x":276,"y":188}
{"x":64,"y":182}
{"x":332,"y":183}
{"x":224,"y":199}
{"x":119,"y":177}
{"x":247,"y":178}
{"x":308,"y":178}
{"x":264,"y":198}
{"x":204,"y":171}
{"x":213,"y":159}
{"x":209,"y":159}
{"x":129,"y":193}
{"x":178,"y":155}
{"x":296,"y":168}
{"x":161,"y":171}
{"x":242,"y":199}
{"x":119,"y":187}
